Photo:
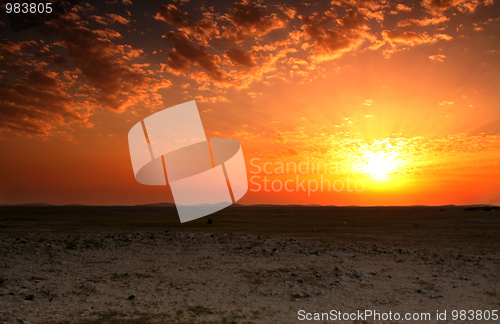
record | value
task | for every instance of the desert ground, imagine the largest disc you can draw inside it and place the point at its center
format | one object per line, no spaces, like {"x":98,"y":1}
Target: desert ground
{"x":260,"y":264}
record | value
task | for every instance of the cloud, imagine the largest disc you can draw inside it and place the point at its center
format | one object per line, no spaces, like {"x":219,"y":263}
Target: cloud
{"x":202,"y":30}
{"x":408,"y":39}
{"x":192,"y":43}
{"x":412,"y":38}
{"x":252,"y":19}
{"x":370,"y":4}
{"x":125,"y":2}
{"x":377,"y":14}
{"x":437,"y":58}
{"x":177,"y":64}
{"x":353,"y":20}
{"x":288,"y":11}
{"x":111,"y":18}
{"x":250,"y":41}
{"x":211,"y":99}
{"x":172,"y":14}
{"x":242,"y":58}
{"x":422,"y":22}
{"x":254,"y":94}
{"x":331,"y":43}
{"x":371,"y":9}
{"x":437,"y":7}
{"x":9,"y":48}
{"x":46,"y":90}
{"x":37,"y":102}
{"x":59,"y":60}
{"x":186,"y":53}
{"x":402,"y":7}
{"x":107,"y":33}
{"x":205,"y":29}
{"x":313,"y":26}
{"x":201,"y":36}
{"x":105,"y":66}
{"x":119,"y":19}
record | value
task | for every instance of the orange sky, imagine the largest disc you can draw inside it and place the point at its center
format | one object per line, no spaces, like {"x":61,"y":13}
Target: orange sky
{"x":407,"y":88}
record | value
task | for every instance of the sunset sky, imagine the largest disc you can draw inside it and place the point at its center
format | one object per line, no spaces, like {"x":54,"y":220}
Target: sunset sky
{"x":408,"y":92}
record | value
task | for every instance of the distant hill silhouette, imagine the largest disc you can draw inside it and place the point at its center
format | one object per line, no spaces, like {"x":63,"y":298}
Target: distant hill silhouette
{"x":167,"y":204}
{"x":30,"y":205}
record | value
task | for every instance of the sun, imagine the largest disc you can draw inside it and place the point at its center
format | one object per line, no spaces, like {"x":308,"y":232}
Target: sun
{"x":379,"y":164}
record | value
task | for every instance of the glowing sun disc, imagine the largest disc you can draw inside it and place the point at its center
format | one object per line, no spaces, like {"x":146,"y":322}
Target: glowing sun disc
{"x":379,"y":165}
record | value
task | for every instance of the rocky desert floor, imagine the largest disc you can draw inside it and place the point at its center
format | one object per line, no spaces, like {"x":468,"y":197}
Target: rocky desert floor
{"x":220,"y":274}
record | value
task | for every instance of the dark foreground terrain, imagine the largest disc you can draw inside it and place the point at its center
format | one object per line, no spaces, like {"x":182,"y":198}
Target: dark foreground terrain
{"x":77,"y":264}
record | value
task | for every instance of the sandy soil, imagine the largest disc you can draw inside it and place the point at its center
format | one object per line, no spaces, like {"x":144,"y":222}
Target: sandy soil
{"x":136,"y":276}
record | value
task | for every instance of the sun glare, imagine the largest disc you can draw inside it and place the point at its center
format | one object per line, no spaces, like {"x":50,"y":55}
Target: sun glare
{"x":380,"y":164}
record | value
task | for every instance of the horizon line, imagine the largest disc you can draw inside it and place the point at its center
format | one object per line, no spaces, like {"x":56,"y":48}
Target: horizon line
{"x":168,"y":204}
